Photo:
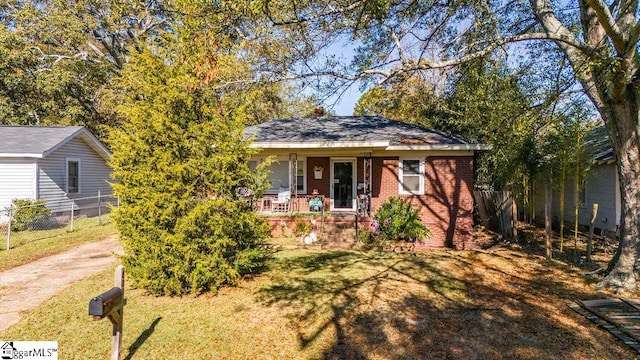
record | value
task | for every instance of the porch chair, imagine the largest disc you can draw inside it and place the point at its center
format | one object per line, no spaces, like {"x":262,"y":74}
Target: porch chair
{"x":283,"y":203}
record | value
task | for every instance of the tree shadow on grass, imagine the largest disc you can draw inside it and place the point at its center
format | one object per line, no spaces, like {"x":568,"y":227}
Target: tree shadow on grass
{"x":444,"y":305}
{"x":142,"y":338}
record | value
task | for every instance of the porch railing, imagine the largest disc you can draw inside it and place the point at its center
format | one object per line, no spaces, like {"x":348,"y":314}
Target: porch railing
{"x":268,"y":204}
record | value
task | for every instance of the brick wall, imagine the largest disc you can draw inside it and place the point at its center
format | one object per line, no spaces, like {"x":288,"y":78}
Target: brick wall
{"x":384,"y":180}
{"x":447,"y":204}
{"x":321,"y":184}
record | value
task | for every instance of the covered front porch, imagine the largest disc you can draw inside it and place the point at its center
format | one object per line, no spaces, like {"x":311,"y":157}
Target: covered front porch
{"x":308,"y":184}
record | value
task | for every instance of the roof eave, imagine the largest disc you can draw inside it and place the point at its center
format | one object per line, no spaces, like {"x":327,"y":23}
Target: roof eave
{"x":319,"y":144}
{"x":470,"y":147}
{"x":367,"y":144}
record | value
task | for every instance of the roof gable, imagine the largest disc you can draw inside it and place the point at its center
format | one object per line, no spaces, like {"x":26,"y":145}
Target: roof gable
{"x":352,"y":131}
{"x":40,"y":141}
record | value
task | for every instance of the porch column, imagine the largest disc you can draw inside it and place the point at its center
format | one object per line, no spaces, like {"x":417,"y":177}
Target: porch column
{"x":368,"y":165}
{"x":293,"y":173}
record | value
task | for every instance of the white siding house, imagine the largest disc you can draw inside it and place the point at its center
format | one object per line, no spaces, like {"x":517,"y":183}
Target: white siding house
{"x":17,"y":179}
{"x":601,"y":187}
{"x":53,"y":163}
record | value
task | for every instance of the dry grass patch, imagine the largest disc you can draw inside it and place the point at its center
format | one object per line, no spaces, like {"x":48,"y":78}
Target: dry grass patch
{"x":439,"y":304}
{"x":348,"y":305}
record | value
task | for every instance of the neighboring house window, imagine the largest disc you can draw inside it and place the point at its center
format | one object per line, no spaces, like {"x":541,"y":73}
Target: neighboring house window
{"x":411,"y":176}
{"x":73,"y":176}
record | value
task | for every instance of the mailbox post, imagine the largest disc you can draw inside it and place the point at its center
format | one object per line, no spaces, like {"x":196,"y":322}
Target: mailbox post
{"x":110,"y":304}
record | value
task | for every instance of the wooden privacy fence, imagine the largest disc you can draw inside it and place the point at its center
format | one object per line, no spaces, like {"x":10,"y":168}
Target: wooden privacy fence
{"x":497,"y":211}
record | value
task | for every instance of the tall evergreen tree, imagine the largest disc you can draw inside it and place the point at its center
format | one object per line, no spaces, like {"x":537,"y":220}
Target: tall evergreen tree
{"x":178,"y":160}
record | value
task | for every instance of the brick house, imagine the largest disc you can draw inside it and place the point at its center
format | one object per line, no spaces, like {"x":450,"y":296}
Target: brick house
{"x":353,"y":163}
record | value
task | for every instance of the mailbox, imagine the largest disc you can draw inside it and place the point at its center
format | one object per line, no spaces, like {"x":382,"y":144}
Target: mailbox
{"x":110,"y":304}
{"x":104,"y":304}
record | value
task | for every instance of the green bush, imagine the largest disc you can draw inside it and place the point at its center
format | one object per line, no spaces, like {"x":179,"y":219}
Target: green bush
{"x":214,"y":244}
{"x":301,"y":227}
{"x":370,"y":240}
{"x":399,"y":221}
{"x":29,"y":213}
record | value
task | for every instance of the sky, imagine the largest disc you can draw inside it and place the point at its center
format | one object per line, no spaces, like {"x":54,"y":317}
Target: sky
{"x":344,"y":50}
{"x":347,"y":102}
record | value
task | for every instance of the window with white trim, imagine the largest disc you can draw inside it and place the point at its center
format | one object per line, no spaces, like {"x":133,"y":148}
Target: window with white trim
{"x":73,"y":176}
{"x":411,"y":176}
{"x":279,"y":176}
{"x":301,"y":172}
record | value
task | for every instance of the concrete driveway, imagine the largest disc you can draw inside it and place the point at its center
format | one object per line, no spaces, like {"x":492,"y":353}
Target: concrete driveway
{"x":27,"y":286}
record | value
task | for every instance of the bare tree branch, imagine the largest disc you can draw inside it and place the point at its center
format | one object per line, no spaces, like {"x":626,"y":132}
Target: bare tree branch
{"x":634,"y":36}
{"x":570,"y":42}
{"x":300,"y":20}
{"x":83,"y":55}
{"x":578,"y":56}
{"x":609,"y":24}
{"x":396,"y":40}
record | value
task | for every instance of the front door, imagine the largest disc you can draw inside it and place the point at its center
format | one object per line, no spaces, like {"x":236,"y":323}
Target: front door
{"x":342,"y":186}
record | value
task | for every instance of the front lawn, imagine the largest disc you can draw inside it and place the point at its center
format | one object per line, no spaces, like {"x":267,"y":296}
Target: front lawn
{"x":348,"y":304}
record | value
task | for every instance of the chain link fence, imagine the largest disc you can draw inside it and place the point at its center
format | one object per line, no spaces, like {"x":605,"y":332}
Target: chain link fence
{"x":27,"y":221}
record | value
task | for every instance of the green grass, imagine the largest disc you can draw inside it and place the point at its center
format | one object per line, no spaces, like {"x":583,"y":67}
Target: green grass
{"x":27,"y":246}
{"x":345,"y":305}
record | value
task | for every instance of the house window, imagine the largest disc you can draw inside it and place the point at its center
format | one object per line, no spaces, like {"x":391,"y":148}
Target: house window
{"x":73,"y":176}
{"x":300,"y":175}
{"x":410,"y":176}
{"x":279,"y":176}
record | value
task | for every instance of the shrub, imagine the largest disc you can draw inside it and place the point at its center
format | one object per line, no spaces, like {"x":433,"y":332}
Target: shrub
{"x":29,"y":214}
{"x":214,"y":244}
{"x":399,"y":221}
{"x":301,"y":227}
{"x":370,"y":240}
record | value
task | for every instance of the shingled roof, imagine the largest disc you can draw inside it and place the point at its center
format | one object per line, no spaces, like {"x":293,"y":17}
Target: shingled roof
{"x":40,"y":141}
{"x":600,"y":143}
{"x":352,"y":131}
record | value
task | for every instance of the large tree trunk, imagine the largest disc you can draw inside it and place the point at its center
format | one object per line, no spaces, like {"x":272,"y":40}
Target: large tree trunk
{"x":561,"y":199}
{"x":547,"y":221}
{"x":613,"y":89}
{"x":623,"y":131}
